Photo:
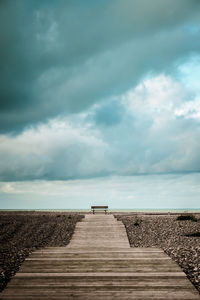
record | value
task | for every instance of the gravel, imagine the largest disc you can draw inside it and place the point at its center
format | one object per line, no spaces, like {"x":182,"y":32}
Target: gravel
{"x":23,"y":232}
{"x":169,"y":234}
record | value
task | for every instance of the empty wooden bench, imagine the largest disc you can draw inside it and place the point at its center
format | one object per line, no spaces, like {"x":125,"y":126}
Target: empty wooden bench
{"x":99,"y":209}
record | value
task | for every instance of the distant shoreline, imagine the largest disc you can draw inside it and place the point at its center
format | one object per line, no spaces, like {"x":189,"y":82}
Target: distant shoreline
{"x":114,"y":211}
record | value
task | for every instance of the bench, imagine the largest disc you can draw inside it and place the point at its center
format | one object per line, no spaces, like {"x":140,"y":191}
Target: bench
{"x":99,"y":209}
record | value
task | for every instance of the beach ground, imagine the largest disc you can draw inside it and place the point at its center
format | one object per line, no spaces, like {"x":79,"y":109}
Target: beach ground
{"x":23,"y":232}
{"x":176,"y":237}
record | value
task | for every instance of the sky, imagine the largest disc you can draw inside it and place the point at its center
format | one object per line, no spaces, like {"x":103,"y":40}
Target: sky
{"x":99,"y":103}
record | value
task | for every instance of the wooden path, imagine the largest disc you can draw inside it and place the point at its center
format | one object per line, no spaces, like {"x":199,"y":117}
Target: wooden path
{"x":99,"y":264}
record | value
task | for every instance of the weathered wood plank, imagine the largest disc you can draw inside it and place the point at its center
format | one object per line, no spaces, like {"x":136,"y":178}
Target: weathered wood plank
{"x":106,"y":286}
{"x":99,"y":255}
{"x":112,"y":294}
{"x":111,"y":281}
{"x":173,"y":275}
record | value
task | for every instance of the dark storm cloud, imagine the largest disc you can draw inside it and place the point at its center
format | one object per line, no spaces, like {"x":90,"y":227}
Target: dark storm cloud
{"x":109,"y":113}
{"x":60,"y":57}
{"x":96,"y":88}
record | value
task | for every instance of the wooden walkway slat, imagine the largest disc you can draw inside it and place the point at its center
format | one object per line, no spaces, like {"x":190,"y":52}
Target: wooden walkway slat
{"x":99,"y":264}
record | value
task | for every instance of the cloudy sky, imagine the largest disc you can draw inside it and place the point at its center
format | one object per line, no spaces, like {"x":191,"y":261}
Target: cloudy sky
{"x":99,"y":103}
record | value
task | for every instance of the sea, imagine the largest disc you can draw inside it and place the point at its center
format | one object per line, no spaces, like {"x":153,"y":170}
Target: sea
{"x":167,"y":210}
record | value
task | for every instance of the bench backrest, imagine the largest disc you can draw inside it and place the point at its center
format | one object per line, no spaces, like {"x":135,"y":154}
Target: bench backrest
{"x":99,"y":207}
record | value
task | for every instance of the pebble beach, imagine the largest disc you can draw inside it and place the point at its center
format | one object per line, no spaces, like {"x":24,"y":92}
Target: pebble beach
{"x":23,"y":232}
{"x":174,"y":236}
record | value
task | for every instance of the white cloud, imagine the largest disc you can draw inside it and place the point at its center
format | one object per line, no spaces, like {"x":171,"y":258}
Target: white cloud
{"x":189,"y":110}
{"x":56,"y":149}
{"x":155,"y":95}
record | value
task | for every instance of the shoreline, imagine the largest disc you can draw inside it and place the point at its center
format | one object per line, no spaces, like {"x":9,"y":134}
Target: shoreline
{"x":110,"y":211}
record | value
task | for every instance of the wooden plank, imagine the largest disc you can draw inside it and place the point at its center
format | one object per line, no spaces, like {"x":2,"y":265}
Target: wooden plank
{"x":129,"y":259}
{"x":112,"y":294}
{"x":99,"y":250}
{"x":112,"y":281}
{"x":99,"y":255}
{"x":108,"y":296}
{"x":64,"y":290}
{"x":173,"y":275}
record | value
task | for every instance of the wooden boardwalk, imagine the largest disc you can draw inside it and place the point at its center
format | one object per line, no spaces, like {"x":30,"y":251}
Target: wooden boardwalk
{"x":99,"y":264}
